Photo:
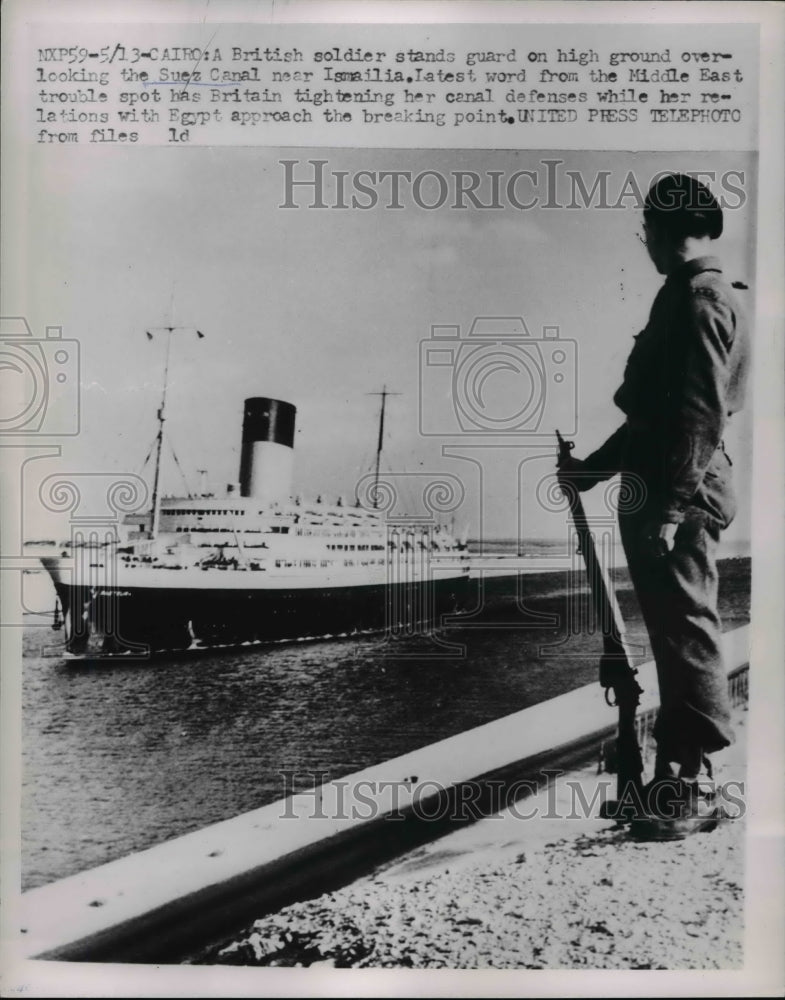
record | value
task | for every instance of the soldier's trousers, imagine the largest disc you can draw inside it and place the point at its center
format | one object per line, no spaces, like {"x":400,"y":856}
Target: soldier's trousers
{"x":678,"y":598}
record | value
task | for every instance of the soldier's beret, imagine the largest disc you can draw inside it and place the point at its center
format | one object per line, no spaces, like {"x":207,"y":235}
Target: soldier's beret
{"x":684,"y":206}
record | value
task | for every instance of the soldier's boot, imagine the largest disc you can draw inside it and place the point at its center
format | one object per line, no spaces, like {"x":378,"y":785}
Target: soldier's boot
{"x":634,"y":802}
{"x":689,"y":806}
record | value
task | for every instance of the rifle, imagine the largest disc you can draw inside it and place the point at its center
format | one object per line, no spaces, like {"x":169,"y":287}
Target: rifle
{"x":617,"y":673}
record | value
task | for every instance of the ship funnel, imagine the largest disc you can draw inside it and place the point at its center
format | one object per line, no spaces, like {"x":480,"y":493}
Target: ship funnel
{"x":267,"y":456}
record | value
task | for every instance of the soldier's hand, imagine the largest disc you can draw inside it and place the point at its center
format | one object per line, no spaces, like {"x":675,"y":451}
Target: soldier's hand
{"x":574,"y":471}
{"x":659,"y":539}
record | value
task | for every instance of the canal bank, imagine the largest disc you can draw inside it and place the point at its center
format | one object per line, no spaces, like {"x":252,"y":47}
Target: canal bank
{"x":178,"y":899}
{"x":548,"y":886}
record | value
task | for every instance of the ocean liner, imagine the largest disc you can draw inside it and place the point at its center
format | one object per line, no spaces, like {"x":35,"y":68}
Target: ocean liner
{"x":254,"y":566}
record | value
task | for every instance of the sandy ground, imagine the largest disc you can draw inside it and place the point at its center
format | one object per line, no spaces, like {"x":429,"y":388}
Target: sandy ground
{"x":541,"y":893}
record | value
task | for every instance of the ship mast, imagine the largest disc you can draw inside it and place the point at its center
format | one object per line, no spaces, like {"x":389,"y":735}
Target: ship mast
{"x":384,"y":394}
{"x":159,"y":440}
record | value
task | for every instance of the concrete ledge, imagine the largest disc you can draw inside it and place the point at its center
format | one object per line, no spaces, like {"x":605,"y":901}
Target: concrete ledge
{"x":163,"y":901}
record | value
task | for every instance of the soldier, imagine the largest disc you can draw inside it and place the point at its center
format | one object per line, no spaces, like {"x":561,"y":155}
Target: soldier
{"x":686,"y":375}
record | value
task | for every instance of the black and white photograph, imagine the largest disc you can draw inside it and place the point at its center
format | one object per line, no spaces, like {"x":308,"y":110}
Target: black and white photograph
{"x":391,"y":442}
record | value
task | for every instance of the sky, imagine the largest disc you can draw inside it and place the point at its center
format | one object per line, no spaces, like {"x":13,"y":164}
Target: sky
{"x":324,"y":307}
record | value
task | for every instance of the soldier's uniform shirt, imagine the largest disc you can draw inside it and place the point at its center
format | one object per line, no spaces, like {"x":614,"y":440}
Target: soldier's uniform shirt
{"x":686,"y":375}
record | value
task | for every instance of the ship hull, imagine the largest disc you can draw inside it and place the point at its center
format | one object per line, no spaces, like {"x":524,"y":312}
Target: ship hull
{"x":128,"y":621}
